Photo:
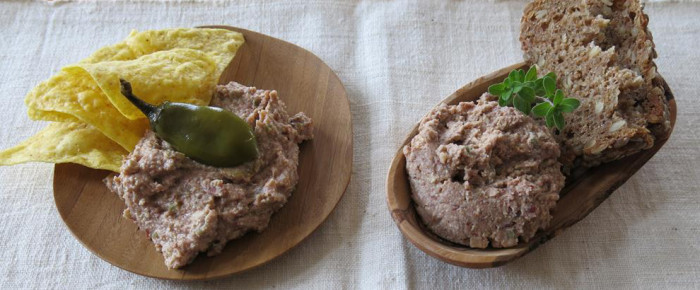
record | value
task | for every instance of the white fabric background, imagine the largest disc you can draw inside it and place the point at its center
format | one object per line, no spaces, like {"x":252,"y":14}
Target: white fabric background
{"x":396,"y":59}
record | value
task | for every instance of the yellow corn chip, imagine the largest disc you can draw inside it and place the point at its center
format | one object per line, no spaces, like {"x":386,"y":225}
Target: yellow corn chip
{"x":178,"y":75}
{"x":178,"y":65}
{"x":119,"y":51}
{"x":74,"y":94}
{"x":220,"y":44}
{"x":67,"y":142}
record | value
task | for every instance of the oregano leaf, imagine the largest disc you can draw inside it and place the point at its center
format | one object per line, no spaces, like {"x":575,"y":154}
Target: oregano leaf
{"x":558,"y":97}
{"x":552,"y":75}
{"x":517,"y":87}
{"x":507,"y":94}
{"x":513,"y":75}
{"x":568,"y":105}
{"x":549,"y":118}
{"x":549,"y":85}
{"x":528,"y":94}
{"x":558,"y":120}
{"x":531,"y":74}
{"x":541,"y":109}
{"x":497,"y":89}
{"x":539,"y":87}
{"x":521,"y":105}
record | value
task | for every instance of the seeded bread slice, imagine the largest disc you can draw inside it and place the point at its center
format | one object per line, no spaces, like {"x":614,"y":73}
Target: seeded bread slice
{"x":603,"y":55}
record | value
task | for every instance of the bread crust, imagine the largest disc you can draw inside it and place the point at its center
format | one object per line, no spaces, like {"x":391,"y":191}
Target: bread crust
{"x":603,"y":55}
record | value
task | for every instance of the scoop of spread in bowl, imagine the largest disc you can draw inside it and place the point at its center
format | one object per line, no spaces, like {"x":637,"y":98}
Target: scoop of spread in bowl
{"x":483,"y":174}
{"x":187,"y":207}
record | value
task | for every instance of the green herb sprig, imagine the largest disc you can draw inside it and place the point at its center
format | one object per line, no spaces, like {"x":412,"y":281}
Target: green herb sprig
{"x":523,"y":90}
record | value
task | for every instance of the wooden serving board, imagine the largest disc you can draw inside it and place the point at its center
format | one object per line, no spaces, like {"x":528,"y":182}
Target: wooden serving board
{"x":94,"y":214}
{"x":582,"y":194}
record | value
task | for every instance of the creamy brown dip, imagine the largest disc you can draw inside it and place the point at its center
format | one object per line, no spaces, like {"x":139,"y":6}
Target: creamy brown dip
{"x":482,"y":173}
{"x":186,"y":207}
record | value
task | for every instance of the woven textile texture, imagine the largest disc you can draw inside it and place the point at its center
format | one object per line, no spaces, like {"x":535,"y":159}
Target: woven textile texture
{"x":396,"y":59}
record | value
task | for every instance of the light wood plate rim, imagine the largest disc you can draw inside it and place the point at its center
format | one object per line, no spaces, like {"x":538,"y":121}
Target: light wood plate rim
{"x":403,"y":213}
{"x":345,"y":182}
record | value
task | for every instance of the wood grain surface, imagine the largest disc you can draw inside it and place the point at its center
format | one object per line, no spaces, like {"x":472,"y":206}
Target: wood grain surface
{"x":582,"y":194}
{"x":306,"y":84}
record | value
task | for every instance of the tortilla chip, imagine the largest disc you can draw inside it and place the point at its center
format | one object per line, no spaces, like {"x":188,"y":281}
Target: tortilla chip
{"x":67,"y":142}
{"x":178,"y":65}
{"x":178,"y":75}
{"x":51,"y":116}
{"x":119,"y":51}
{"x":220,"y":44}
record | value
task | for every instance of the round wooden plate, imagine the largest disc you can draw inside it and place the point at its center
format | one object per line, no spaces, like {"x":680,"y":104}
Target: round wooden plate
{"x":306,"y":84}
{"x":583,"y":192}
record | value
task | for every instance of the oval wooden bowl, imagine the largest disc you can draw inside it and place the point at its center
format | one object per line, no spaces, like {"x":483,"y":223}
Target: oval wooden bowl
{"x":306,"y":84}
{"x":581,"y":195}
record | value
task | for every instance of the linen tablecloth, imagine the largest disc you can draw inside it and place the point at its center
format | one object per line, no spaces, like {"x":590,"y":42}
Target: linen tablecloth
{"x":396,"y":59}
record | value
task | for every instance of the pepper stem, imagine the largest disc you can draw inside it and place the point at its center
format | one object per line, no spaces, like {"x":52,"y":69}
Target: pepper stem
{"x":149,"y":110}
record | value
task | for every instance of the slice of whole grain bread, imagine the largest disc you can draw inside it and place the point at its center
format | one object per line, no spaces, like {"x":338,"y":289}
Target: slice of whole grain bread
{"x":603,"y":55}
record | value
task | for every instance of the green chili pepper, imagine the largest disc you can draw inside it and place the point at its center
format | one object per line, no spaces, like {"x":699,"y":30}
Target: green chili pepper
{"x":209,"y":135}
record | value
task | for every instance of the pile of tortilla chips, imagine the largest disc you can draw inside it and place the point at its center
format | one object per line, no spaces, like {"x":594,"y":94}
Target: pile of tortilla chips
{"x":93,"y":124}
